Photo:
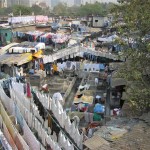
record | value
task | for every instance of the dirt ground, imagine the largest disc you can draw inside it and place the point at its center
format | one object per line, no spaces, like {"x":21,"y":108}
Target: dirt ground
{"x":137,"y":137}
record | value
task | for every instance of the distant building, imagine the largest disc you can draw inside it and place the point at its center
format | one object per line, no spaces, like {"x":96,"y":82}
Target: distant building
{"x":11,"y":3}
{"x":3,"y":3}
{"x":29,"y":3}
{"x":98,"y":21}
{"x":83,"y":2}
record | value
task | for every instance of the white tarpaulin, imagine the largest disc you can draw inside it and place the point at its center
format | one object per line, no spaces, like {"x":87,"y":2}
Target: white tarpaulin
{"x":75,"y":50}
{"x":65,"y":52}
{"x":4,"y":49}
{"x":108,"y":39}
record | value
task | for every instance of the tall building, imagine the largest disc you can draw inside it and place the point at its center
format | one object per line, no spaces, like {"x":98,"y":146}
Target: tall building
{"x":3,"y":3}
{"x":107,"y":1}
{"x":28,"y":3}
{"x":71,"y":3}
{"x":83,"y":2}
{"x":11,"y":3}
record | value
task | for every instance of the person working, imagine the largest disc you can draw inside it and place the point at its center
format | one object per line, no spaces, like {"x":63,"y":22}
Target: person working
{"x":96,"y":81}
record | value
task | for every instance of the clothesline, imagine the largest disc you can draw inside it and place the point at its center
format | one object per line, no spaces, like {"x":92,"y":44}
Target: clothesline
{"x":28,"y":19}
{"x":77,"y":51}
{"x":42,"y":36}
{"x":8,"y":104}
{"x":70,"y":139}
{"x":66,"y":135}
{"x":34,"y":113}
{"x":62,"y":130}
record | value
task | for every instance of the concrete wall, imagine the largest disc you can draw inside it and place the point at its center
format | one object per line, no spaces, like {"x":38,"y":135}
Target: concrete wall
{"x":5,"y":36}
{"x":99,"y":21}
{"x":30,"y":28}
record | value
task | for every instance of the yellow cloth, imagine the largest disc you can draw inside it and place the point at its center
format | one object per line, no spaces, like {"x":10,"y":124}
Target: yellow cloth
{"x":84,"y":99}
{"x":38,"y":54}
{"x":54,"y":67}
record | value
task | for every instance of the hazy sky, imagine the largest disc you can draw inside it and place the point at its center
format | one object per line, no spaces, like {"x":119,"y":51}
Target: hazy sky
{"x":108,"y":1}
{"x":104,"y":1}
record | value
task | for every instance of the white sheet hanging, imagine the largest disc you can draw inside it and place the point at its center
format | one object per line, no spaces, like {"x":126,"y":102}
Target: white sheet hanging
{"x":30,"y":138}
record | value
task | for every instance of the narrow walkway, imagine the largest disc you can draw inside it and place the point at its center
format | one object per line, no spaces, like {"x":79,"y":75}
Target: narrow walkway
{"x":70,"y":98}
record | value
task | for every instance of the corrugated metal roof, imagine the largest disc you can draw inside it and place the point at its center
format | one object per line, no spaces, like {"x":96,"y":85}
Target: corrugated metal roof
{"x":18,"y":59}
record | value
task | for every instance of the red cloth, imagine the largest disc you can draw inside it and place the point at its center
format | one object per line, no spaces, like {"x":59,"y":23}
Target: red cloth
{"x":28,"y":90}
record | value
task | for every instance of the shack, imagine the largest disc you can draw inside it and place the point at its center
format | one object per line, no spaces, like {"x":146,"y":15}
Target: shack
{"x":5,"y":35}
{"x":99,"y":21}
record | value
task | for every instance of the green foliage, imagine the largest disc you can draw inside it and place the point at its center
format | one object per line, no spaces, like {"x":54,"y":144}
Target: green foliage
{"x":5,"y":11}
{"x":84,"y":10}
{"x":37,"y":10}
{"x":136,"y":70}
{"x":60,"y":9}
{"x":94,"y":9}
{"x":23,"y":10}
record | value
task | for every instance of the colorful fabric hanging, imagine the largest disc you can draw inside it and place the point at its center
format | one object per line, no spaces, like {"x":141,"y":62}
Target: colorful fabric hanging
{"x":28,"y":90}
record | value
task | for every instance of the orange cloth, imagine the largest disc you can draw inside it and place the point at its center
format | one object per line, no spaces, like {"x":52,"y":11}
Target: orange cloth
{"x":41,"y":66}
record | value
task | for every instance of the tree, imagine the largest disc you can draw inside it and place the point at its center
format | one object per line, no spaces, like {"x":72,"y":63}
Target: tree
{"x":37,"y":10}
{"x":5,"y":11}
{"x":95,"y":9}
{"x":21,"y":10}
{"x":84,"y":10}
{"x":60,"y":9}
{"x":136,"y":70}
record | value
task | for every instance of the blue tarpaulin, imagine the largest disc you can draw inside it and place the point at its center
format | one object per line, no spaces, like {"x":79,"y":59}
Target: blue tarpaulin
{"x":99,"y":108}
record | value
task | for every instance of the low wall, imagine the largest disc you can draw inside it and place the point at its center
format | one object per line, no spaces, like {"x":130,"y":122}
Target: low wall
{"x":69,"y":89}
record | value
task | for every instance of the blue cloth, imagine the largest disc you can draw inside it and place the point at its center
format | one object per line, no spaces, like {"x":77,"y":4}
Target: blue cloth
{"x":19,"y":116}
{"x":101,"y":66}
{"x":98,"y":108}
{"x":31,"y":71}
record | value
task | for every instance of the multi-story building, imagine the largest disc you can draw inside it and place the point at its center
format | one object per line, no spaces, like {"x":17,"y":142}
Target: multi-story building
{"x":106,"y":1}
{"x":3,"y":3}
{"x":28,"y":3}
{"x":11,"y":3}
{"x":83,"y":2}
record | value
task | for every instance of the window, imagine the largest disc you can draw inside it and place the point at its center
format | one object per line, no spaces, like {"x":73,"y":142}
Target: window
{"x":96,"y":20}
{"x":5,"y":34}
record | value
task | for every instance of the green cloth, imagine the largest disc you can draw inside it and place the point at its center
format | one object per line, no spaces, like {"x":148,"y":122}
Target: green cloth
{"x":97,"y":117}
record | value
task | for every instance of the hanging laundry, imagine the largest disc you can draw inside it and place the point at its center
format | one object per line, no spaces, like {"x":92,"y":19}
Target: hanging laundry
{"x":4,"y":142}
{"x":30,"y":138}
{"x":55,"y":128}
{"x":28,"y":90}
{"x":55,"y":69}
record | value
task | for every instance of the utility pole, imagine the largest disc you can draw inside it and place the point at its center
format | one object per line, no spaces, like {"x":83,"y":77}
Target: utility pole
{"x":20,"y":12}
{"x":11,"y":24}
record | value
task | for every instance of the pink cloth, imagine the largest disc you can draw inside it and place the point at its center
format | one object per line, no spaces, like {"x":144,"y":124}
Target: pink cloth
{"x":41,"y":19}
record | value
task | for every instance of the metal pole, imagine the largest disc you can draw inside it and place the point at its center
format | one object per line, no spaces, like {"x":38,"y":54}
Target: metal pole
{"x":11,"y":28}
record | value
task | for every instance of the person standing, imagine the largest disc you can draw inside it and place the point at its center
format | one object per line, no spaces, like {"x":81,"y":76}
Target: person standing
{"x":96,"y":81}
